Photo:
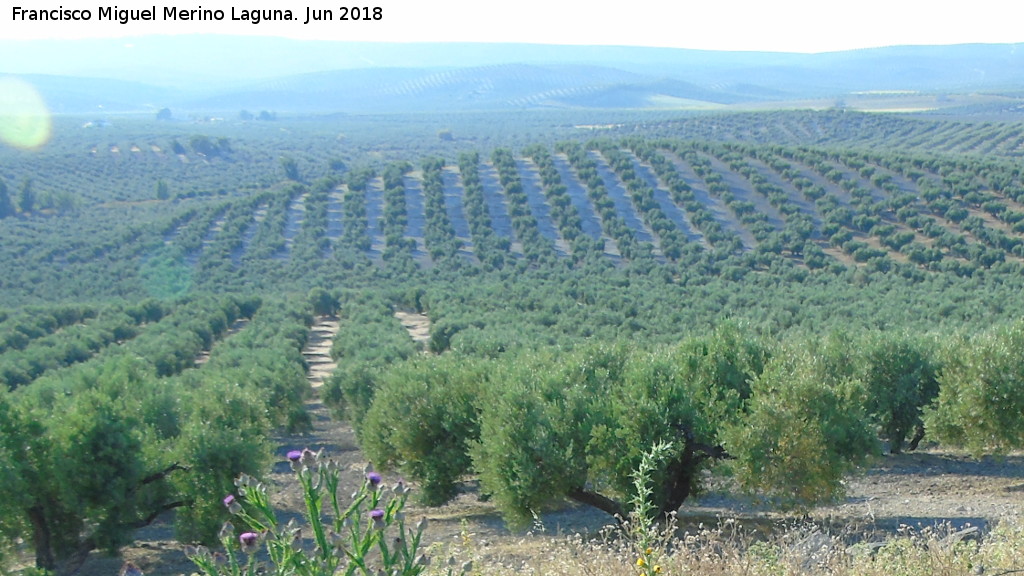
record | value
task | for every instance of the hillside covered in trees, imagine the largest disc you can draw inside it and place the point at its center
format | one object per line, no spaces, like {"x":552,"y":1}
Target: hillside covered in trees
{"x":724,"y":275}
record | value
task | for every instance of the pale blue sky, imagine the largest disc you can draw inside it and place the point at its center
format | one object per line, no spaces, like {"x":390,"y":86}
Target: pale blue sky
{"x":778,"y":25}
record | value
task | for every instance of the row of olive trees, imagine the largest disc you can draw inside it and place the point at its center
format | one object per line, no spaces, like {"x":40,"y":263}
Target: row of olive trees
{"x":788,"y":420}
{"x":91,"y":452}
{"x":369,"y":339}
{"x":439,"y":234}
{"x":565,"y":215}
{"x":613,"y":224}
{"x":70,"y":345}
{"x":524,"y":221}
{"x":20,"y":328}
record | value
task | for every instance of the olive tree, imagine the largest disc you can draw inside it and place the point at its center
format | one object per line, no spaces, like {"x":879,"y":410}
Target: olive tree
{"x":553,"y":425}
{"x":900,"y":377}
{"x":423,"y":417}
{"x":125,"y":448}
{"x":981,"y":395}
{"x":84,"y":480}
{"x":804,"y":429}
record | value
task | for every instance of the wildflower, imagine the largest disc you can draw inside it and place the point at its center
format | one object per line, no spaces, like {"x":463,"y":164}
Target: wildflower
{"x":226,"y":530}
{"x":373,"y":478}
{"x":377,"y":515}
{"x":399,"y":488}
{"x":422,"y":524}
{"x":657,"y":568}
{"x":232,"y":504}
{"x":641,"y":562}
{"x":249,"y":541}
{"x":309,"y":458}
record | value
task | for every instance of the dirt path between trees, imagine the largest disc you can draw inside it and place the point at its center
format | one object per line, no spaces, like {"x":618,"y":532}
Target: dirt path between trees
{"x":154,"y":549}
{"x":317,"y":351}
{"x":418,"y":326}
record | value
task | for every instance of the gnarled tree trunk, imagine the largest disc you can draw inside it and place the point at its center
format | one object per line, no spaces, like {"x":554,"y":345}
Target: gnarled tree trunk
{"x":41,"y":538}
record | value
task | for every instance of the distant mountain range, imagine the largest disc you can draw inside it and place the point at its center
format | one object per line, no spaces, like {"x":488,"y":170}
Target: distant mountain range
{"x":221,"y":74}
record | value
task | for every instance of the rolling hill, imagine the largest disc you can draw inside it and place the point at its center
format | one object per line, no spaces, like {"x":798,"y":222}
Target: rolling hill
{"x":768,"y":190}
{"x":301,"y":77}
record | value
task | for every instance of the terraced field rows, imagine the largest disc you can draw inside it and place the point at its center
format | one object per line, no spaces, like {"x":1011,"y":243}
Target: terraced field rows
{"x":663,"y":196}
{"x":416,"y":221}
{"x":867,"y":131}
{"x":497,"y":206}
{"x":296,"y":214}
{"x":374,"y":216}
{"x":590,"y":221}
{"x":624,"y":207}
{"x":641,"y":200}
{"x":539,"y":207}
{"x":725,"y":217}
{"x":453,"y":203}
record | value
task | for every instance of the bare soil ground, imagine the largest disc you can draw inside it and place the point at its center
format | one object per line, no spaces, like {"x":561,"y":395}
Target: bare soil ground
{"x":917,"y":490}
{"x":924,"y":488}
{"x":318,"y":349}
{"x":921,"y":489}
{"x":418,"y":325}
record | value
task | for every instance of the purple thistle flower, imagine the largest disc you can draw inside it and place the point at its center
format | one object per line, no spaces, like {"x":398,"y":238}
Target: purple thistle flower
{"x":295,"y":457}
{"x":249,"y":541}
{"x":374,"y":478}
{"x":377,"y":515}
{"x":232,"y":504}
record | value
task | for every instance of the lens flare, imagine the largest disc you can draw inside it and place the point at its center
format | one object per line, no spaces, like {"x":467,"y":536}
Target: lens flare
{"x":24,"y":119}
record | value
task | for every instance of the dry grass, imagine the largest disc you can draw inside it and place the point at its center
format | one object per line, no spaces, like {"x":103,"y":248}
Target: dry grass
{"x":728,"y":550}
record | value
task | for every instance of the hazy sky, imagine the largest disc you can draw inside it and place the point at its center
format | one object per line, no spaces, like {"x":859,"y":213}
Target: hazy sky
{"x":770,"y":25}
